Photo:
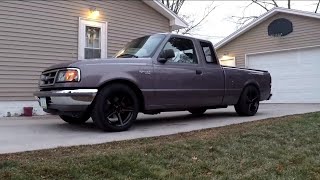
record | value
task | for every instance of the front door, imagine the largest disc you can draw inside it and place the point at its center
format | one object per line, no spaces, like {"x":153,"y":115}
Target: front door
{"x":178,"y":82}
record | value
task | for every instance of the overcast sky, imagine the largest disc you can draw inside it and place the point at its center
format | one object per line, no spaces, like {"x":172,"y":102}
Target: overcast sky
{"x":219,"y":24}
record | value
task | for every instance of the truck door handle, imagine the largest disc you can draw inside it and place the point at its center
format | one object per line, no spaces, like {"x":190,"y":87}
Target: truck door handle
{"x":198,"y":72}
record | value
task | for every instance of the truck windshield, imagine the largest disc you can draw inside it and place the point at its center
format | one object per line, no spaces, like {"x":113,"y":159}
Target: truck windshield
{"x":141,"y":47}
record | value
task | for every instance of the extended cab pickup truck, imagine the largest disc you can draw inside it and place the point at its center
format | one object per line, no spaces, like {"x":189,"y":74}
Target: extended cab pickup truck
{"x":151,"y":74}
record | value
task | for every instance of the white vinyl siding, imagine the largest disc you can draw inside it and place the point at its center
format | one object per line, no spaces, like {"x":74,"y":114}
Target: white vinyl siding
{"x":305,"y":33}
{"x":37,"y":34}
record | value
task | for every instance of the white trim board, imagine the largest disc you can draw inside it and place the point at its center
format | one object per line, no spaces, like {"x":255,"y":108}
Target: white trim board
{"x":81,"y":36}
{"x":261,"y":19}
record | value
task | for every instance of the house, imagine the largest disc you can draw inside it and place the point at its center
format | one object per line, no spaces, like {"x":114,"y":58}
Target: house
{"x":37,"y":34}
{"x":286,"y":43}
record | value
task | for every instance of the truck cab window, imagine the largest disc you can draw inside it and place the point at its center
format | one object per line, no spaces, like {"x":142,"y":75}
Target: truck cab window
{"x":208,"y":52}
{"x":183,"y":49}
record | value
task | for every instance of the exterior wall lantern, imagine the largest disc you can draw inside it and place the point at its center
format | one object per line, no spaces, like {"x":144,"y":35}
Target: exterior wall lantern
{"x":94,"y":14}
{"x":228,"y":60}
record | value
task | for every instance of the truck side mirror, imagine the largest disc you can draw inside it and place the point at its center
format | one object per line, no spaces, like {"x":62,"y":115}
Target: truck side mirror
{"x":165,"y":55}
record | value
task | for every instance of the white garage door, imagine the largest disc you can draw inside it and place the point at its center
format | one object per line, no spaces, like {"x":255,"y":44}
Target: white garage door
{"x":295,"y":74}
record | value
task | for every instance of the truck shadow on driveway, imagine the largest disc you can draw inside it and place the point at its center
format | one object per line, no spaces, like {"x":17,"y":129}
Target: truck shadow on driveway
{"x":181,"y":118}
{"x":165,"y":119}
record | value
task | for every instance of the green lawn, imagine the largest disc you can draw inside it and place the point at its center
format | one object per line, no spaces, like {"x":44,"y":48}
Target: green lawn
{"x":279,"y":148}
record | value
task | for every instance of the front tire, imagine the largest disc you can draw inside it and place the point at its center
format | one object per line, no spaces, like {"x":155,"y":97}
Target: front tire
{"x":248,"y":103}
{"x":116,"y":108}
{"x":74,"y":119}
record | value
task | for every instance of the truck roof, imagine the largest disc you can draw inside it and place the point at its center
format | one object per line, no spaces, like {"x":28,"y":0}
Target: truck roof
{"x":180,"y":35}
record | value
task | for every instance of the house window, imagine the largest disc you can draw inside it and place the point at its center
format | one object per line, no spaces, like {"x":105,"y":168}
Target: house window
{"x":92,"y":40}
{"x":92,"y":48}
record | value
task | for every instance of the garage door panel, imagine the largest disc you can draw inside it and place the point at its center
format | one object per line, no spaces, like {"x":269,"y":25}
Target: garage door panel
{"x":295,"y":74}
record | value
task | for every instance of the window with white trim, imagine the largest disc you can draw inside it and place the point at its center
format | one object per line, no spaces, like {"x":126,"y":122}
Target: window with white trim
{"x":92,"y":41}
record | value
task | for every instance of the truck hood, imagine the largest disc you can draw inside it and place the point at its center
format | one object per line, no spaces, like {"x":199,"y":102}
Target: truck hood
{"x":111,"y":61}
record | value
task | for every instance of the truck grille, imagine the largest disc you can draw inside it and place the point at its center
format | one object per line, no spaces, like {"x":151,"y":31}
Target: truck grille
{"x":48,"y":78}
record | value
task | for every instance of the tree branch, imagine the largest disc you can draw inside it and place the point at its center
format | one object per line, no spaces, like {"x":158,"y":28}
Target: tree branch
{"x":265,"y":4}
{"x":240,"y":21}
{"x":317,"y":7}
{"x":243,"y":20}
{"x":275,"y":3}
{"x":210,"y":9}
{"x":256,"y":2}
{"x":179,"y":5}
{"x":172,"y":5}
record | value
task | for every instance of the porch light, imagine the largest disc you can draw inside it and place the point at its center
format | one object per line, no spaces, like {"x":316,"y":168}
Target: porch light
{"x":94,"y":13}
{"x":226,"y":57}
{"x":228,"y":60}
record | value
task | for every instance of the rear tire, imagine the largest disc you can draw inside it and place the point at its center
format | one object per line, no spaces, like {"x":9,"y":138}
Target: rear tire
{"x":74,"y":119}
{"x":248,"y":103}
{"x":198,"y":111}
{"x":116,"y":108}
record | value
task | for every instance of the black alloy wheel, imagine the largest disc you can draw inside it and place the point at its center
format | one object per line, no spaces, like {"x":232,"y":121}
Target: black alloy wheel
{"x":248,"y":103}
{"x":119,"y":109}
{"x":116,"y":108}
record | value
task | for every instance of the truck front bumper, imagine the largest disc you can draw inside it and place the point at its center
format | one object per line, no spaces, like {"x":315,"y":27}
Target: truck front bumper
{"x":65,"y":101}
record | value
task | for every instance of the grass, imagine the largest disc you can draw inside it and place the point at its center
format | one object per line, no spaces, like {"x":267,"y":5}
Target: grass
{"x":279,"y":148}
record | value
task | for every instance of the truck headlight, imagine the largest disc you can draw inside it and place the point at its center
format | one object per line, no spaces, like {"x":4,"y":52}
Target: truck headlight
{"x":68,"y":75}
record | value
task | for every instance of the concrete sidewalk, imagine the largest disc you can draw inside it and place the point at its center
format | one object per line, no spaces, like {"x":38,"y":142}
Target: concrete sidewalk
{"x":19,"y":134}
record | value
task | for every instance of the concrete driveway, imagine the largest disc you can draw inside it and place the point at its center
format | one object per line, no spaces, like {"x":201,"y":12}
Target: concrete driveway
{"x":24,"y":134}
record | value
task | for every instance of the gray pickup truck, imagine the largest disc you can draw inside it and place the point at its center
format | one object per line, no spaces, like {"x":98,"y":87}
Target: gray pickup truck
{"x":151,"y":74}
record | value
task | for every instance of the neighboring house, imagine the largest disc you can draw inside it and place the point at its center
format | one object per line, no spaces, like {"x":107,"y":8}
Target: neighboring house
{"x":287,"y":44}
{"x":36,"y":34}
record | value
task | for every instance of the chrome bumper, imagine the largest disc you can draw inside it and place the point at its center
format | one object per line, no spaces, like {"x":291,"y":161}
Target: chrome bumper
{"x":57,"y":99}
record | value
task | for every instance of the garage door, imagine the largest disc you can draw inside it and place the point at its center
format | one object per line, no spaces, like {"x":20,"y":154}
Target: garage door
{"x":295,"y":74}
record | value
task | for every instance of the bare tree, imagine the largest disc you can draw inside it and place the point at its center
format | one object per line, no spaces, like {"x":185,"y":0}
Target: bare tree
{"x":193,"y":20}
{"x":174,"y":5}
{"x":267,"y":5}
{"x":317,"y":7}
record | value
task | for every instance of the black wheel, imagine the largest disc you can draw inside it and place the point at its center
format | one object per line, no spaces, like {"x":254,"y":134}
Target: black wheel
{"x":198,"y":111}
{"x":248,"y":103}
{"x":75,"y":119}
{"x":116,"y":108}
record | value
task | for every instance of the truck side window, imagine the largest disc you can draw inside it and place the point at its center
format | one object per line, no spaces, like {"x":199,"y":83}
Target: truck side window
{"x":183,"y":49}
{"x":208,"y":52}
